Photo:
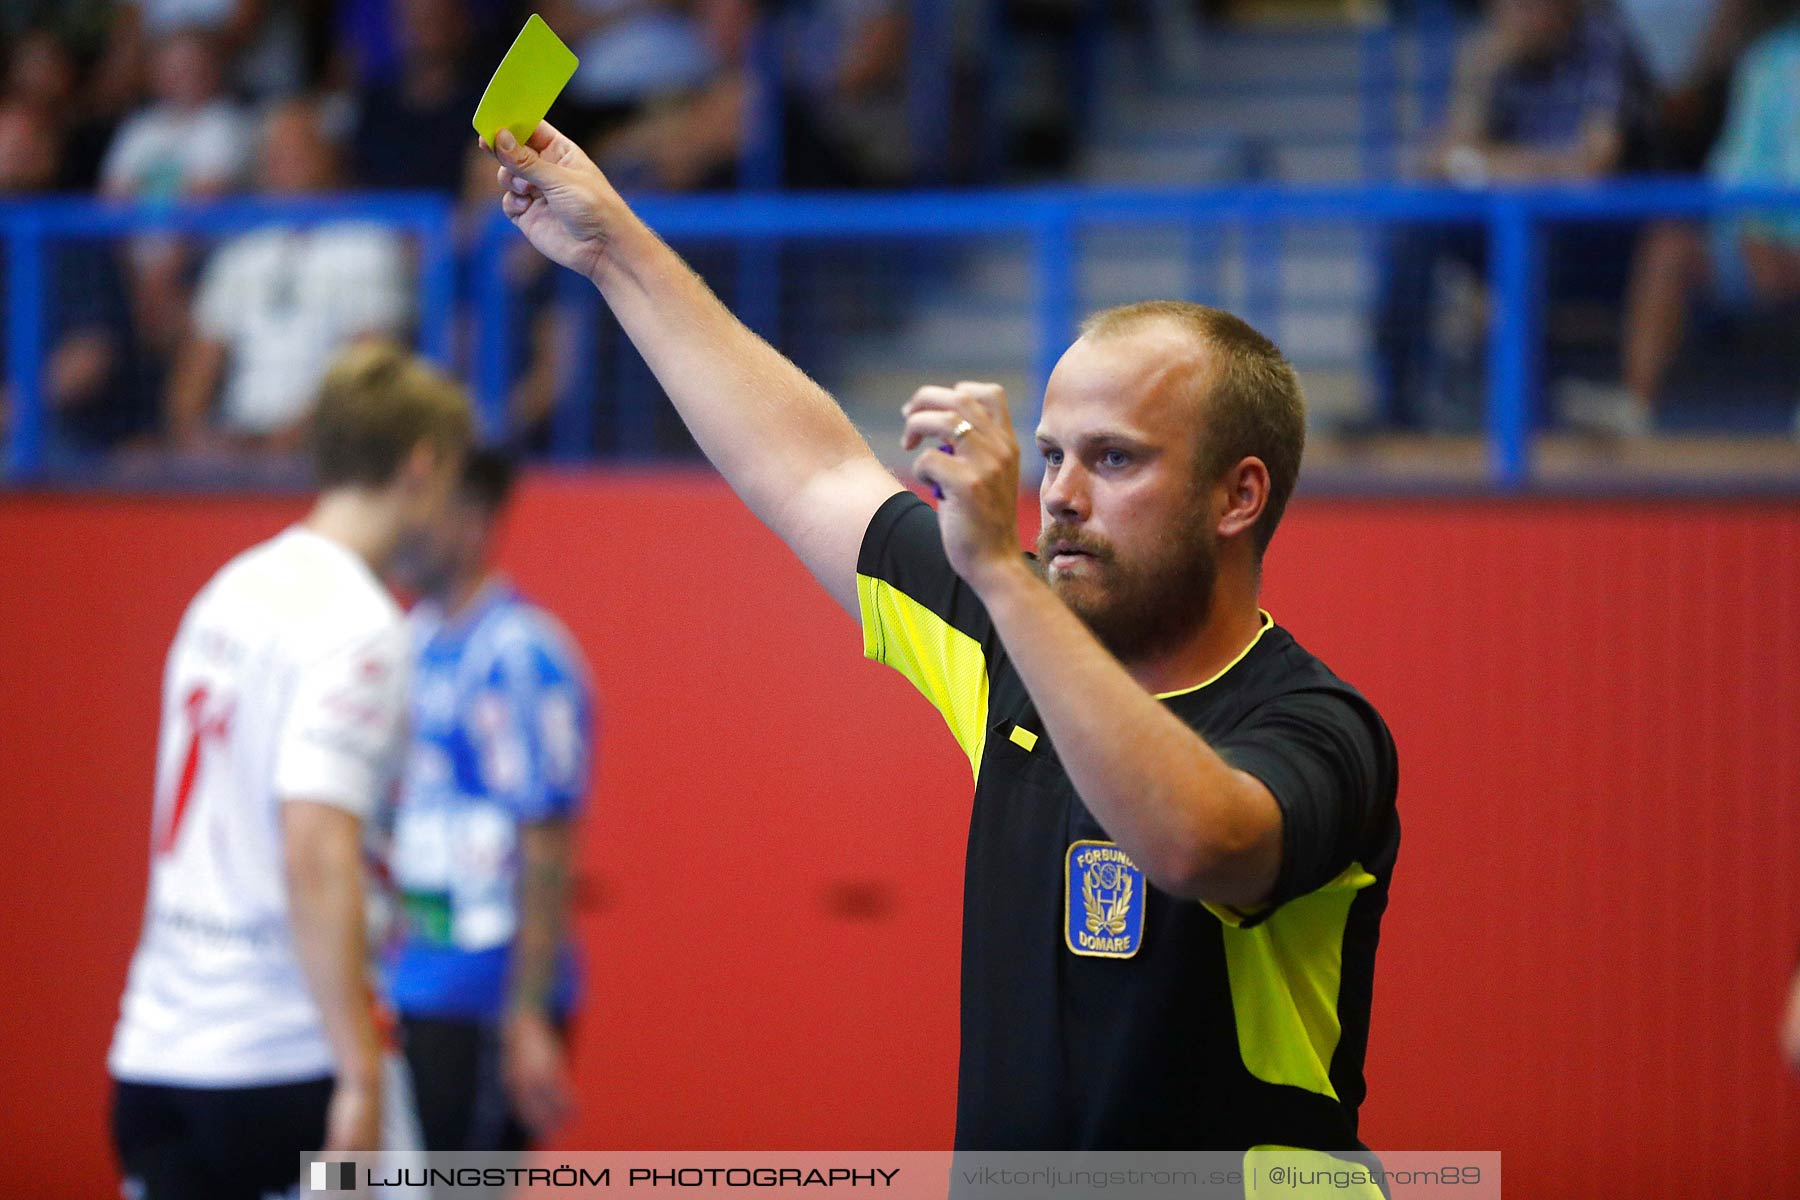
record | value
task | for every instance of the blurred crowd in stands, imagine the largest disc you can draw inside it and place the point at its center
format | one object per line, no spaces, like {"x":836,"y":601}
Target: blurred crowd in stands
{"x":211,"y":349}
{"x":1562,"y":90}
{"x":214,"y":349}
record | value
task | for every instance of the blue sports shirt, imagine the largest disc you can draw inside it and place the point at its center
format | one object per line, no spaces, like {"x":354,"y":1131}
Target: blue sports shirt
{"x":502,"y":715}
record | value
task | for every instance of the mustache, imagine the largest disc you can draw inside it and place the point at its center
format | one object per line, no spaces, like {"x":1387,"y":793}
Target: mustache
{"x":1075,"y":538}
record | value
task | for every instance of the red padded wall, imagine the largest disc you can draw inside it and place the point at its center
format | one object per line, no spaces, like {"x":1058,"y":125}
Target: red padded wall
{"x":1595,"y":913}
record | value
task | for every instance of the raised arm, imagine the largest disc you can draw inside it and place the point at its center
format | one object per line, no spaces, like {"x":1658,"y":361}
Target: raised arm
{"x":779,"y":439}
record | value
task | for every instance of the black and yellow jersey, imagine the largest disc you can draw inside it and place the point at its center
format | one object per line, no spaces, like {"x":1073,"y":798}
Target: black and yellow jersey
{"x":1097,"y":1011}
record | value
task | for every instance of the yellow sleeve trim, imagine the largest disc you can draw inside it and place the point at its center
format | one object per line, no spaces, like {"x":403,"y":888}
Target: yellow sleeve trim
{"x":1233,"y":917}
{"x":944,"y":663}
{"x":1352,"y":877}
{"x":1284,"y":976}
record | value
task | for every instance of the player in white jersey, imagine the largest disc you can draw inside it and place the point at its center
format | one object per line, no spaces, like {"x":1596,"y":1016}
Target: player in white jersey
{"x":247,"y":1034}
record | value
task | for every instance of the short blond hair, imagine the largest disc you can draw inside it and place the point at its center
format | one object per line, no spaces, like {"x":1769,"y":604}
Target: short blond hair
{"x":378,"y":401}
{"x":1254,"y":407}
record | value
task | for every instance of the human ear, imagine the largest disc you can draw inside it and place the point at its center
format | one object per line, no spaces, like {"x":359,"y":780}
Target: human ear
{"x":1246,"y":494}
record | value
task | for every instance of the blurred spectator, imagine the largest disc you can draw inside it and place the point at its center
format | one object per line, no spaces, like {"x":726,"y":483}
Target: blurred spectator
{"x":632,"y":52}
{"x":843,"y":110}
{"x":684,"y":142}
{"x":544,"y":339}
{"x":369,"y":36}
{"x":192,"y":142}
{"x":234,"y":23}
{"x":845,"y":113}
{"x":1546,"y":90}
{"x":1039,"y":84}
{"x":270,"y":47}
{"x":83,"y":24}
{"x":43,"y":76}
{"x":413,"y":131}
{"x":41,"y":73}
{"x":693,"y":142}
{"x":1689,"y":47}
{"x":1744,"y":262}
{"x":691,"y":146}
{"x":285,"y":52}
{"x":275,"y":305}
{"x":86,"y":367}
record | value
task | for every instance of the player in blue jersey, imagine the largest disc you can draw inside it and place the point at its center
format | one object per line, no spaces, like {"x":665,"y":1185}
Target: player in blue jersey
{"x":484,"y":977}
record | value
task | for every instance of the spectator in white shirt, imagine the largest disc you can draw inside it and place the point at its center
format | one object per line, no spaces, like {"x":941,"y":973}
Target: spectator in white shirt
{"x":275,"y":305}
{"x":191,"y":142}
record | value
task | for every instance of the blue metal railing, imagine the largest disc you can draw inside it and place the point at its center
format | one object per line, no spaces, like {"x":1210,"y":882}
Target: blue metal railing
{"x":1051,"y":220}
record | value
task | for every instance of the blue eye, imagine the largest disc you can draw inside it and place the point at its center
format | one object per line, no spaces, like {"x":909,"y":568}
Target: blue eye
{"x":1115,"y":458}
{"x":1053,"y":458}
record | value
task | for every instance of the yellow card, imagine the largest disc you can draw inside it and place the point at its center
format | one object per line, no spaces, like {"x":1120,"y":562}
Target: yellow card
{"x":526,"y":83}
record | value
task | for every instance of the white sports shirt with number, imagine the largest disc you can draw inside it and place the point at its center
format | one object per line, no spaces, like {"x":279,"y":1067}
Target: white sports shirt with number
{"x":286,"y":681}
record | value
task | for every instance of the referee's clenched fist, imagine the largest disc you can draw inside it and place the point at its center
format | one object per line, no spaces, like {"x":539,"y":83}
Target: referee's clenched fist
{"x":972,"y":456}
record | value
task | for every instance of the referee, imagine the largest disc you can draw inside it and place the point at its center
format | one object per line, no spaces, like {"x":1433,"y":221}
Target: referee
{"x":1183,"y":823}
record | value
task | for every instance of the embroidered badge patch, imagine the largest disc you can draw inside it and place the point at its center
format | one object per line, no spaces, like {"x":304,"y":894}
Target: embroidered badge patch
{"x":1103,"y":901}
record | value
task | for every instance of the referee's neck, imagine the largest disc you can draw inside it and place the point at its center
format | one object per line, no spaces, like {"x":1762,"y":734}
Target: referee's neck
{"x":1232,"y":623}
